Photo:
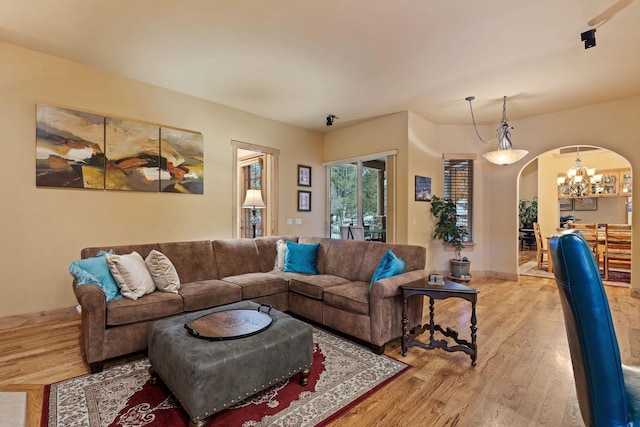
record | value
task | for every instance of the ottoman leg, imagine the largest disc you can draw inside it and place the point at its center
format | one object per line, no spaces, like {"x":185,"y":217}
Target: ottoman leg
{"x":304,"y":376}
{"x":200,"y":423}
{"x":154,"y":375}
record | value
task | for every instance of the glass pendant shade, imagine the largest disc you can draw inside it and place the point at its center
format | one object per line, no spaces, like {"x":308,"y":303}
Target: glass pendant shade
{"x":505,"y":154}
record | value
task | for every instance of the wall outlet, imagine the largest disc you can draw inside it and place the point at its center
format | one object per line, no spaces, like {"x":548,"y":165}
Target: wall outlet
{"x":298,"y":221}
{"x":289,"y":221}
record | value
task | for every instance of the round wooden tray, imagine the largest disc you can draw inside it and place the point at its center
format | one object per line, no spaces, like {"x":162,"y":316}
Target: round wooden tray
{"x":230,"y":324}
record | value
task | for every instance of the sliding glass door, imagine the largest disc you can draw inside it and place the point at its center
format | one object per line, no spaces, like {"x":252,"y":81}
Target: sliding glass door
{"x":358,"y":198}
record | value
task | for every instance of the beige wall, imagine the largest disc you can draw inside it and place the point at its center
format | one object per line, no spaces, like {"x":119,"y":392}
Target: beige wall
{"x":44,"y":229}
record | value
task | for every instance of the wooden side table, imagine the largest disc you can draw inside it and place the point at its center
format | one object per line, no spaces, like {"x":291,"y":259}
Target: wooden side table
{"x":449,"y":290}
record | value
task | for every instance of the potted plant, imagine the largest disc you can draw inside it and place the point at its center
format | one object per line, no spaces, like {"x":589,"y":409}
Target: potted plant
{"x":528,"y":212}
{"x":448,"y":230}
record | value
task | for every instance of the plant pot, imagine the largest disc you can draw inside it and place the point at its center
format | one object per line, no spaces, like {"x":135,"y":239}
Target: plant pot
{"x":459,"y":268}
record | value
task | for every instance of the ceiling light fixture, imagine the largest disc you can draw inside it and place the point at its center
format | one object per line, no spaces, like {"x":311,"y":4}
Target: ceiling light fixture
{"x":505,"y":154}
{"x":578,"y":179}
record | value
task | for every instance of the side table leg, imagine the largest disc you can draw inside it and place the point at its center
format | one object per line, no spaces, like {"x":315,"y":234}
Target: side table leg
{"x":431,"y":322}
{"x":405,"y":332}
{"x":474,"y":347}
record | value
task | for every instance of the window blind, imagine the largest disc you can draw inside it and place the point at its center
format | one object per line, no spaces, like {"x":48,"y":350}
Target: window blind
{"x":458,"y":186}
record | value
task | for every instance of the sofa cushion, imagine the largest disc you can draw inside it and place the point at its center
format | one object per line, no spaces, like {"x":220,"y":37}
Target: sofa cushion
{"x":148,"y":307}
{"x":256,"y":285}
{"x":131,"y":274}
{"x":301,"y":258}
{"x":390,"y":265}
{"x":209,"y":293}
{"x":95,"y":270}
{"x":163,"y":272}
{"x":281,"y":253}
{"x":142,"y":249}
{"x":236,"y":256}
{"x":313,"y":286}
{"x":345,"y":257}
{"x":352,"y":297}
{"x":194,"y":261}
{"x":267,"y":250}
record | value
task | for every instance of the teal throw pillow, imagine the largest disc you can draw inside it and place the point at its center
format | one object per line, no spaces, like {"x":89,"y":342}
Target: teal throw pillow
{"x":95,"y":270}
{"x":301,"y":258}
{"x":390,"y":265}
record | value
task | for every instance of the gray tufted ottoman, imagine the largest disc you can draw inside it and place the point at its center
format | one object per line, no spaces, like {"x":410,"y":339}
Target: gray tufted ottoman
{"x":209,"y":376}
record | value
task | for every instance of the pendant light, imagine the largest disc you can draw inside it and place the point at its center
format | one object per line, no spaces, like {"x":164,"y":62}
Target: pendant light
{"x":505,"y":154}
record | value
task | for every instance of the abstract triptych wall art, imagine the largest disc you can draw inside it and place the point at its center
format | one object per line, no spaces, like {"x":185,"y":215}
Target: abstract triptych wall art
{"x":75,"y":149}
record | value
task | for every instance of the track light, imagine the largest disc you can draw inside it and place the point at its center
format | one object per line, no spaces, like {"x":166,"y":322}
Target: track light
{"x":330,"y":119}
{"x":589,"y":38}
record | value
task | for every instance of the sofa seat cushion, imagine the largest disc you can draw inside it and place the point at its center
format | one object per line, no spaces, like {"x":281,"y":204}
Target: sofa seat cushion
{"x":312,"y":286}
{"x":209,"y":293}
{"x":256,"y":285}
{"x":151,"y":306}
{"x":352,"y":297}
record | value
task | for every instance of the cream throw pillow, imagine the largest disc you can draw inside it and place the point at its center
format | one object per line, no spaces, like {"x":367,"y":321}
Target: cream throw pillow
{"x":163,"y":272}
{"x":281,"y":252}
{"x":131,"y":274}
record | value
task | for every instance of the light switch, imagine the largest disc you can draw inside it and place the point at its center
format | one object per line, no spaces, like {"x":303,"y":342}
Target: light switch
{"x":289,"y":221}
{"x":298,"y":221}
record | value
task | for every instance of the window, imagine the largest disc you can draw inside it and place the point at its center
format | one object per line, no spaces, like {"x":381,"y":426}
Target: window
{"x":458,"y":186}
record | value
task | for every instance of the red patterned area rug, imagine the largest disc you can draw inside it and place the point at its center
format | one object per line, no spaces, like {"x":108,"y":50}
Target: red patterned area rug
{"x":342,"y":374}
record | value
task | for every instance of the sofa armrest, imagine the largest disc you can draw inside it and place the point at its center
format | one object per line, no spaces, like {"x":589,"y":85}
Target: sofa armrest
{"x":390,"y":287}
{"x":94,"y":319}
{"x":386,"y":304}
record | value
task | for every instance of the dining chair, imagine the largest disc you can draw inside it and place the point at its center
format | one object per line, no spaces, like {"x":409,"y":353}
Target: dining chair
{"x":617,"y":253}
{"x":352,"y":232}
{"x":541,"y":250}
{"x":608,"y":391}
{"x":591,"y":235}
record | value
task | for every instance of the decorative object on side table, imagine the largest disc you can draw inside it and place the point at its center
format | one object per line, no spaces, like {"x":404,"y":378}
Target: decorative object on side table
{"x":435,"y":280}
{"x":450,"y":232}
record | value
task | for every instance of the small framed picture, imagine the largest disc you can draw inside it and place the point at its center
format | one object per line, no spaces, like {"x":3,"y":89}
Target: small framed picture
{"x":566,"y":204}
{"x":304,"y":176}
{"x":304,"y":201}
{"x":585,"y":204}
{"x":423,"y":189}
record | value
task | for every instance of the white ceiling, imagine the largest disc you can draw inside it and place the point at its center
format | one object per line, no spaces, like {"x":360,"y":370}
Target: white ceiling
{"x":296,"y":61}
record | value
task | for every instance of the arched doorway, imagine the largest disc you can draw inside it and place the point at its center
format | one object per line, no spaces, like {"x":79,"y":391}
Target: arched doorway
{"x":608,"y":199}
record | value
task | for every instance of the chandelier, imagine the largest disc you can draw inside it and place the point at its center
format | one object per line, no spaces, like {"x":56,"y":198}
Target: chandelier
{"x":505,"y":154}
{"x":578,"y":179}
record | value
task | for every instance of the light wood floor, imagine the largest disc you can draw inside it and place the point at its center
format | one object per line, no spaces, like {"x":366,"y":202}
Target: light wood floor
{"x":523,"y":376}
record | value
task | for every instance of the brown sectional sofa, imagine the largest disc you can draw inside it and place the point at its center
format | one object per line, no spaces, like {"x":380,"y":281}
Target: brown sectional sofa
{"x":218,"y":272}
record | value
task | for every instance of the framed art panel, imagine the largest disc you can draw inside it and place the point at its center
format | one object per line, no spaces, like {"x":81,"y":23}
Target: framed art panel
{"x":566,"y":204}
{"x":304,"y":176}
{"x":585,"y":204}
{"x":304,"y":201}
{"x":69,"y":148}
{"x":423,"y":189}
{"x":133,"y":155}
{"x":181,"y":161}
